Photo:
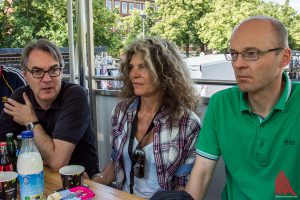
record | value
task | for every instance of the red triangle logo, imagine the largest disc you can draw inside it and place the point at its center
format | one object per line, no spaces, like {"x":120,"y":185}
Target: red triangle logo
{"x":283,"y":187}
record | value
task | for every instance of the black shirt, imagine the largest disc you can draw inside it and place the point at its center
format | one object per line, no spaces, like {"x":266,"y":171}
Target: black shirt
{"x":67,"y":119}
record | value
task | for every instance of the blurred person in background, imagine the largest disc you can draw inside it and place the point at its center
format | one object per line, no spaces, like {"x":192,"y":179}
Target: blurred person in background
{"x":10,"y":79}
{"x":155,"y":126}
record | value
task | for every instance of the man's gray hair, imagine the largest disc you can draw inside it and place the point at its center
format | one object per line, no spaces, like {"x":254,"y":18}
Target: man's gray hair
{"x":44,"y":45}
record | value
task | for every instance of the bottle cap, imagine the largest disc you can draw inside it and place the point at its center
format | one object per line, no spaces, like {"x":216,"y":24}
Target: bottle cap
{"x":19,"y":137}
{"x":27,"y":134}
{"x":9,"y":135}
{"x":2,"y":144}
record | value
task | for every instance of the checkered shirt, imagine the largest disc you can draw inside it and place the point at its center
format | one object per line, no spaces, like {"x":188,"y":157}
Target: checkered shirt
{"x":173,"y":145}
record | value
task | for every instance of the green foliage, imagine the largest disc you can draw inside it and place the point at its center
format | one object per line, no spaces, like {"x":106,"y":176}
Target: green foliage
{"x":32,"y":19}
{"x":200,"y":24}
{"x":216,"y":26}
{"x":176,"y":19}
{"x":4,"y":29}
{"x":133,"y":24}
{"x":107,"y":28}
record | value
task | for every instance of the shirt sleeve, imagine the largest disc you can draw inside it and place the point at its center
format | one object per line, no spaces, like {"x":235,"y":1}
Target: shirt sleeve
{"x":183,"y":172}
{"x":207,"y":144}
{"x":119,"y":125}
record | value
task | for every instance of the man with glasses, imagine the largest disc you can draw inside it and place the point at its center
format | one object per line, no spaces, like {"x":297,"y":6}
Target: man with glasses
{"x":56,"y":111}
{"x":254,"y":126}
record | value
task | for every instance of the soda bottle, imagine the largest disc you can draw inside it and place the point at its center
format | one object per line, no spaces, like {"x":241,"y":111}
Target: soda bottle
{"x":30,"y":169}
{"x":11,"y":148}
{"x":5,"y":160}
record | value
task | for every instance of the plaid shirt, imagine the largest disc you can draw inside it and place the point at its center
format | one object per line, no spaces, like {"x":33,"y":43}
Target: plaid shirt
{"x":173,"y":146}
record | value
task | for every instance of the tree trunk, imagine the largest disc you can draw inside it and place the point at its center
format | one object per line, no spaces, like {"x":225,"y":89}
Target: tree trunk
{"x":187,"y":50}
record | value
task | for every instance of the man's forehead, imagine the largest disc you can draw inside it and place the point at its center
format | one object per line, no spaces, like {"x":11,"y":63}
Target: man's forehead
{"x":41,"y":59}
{"x":252,"y":34}
{"x":49,"y":67}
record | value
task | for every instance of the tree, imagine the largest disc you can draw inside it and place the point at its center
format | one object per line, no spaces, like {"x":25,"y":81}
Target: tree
{"x":176,"y":19}
{"x":215,"y":27}
{"x":291,"y":20}
{"x":36,"y":19}
{"x":107,"y":28}
{"x":133,"y":24}
{"x":4,"y":15}
{"x":33,"y":19}
{"x":132,"y":27}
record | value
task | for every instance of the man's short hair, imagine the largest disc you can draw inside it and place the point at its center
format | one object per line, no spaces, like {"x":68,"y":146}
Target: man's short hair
{"x":280,"y":31}
{"x":44,"y":45}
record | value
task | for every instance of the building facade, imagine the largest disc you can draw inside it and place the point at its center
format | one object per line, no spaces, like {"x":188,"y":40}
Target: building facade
{"x":127,"y":6}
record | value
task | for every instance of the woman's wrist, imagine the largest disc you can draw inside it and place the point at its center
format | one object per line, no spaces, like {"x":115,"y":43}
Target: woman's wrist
{"x":100,"y":178}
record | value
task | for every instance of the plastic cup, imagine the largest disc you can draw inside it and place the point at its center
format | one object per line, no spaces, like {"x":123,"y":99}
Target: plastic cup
{"x":8,"y":185}
{"x":71,"y":176}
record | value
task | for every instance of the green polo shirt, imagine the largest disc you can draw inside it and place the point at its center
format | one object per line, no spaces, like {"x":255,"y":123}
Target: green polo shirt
{"x":262,"y":156}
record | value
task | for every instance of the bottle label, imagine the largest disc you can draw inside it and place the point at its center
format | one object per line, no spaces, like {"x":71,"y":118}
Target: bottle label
{"x":32,"y":186}
{"x":6,"y":168}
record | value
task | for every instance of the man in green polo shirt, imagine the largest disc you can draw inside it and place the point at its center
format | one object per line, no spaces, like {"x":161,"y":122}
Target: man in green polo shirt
{"x":255,"y":126}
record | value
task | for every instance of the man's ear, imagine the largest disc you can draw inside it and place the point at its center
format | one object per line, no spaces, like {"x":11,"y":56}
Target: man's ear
{"x":286,"y":57}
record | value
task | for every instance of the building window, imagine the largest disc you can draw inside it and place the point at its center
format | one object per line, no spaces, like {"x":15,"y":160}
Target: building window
{"x":143,"y":6}
{"x":138,"y":6}
{"x":108,"y":4}
{"x":117,"y":5}
{"x":124,"y":7}
{"x":131,"y":7}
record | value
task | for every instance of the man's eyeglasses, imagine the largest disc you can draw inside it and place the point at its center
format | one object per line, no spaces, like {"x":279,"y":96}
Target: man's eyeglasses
{"x":139,"y":157}
{"x":248,"y":54}
{"x":39,"y":73}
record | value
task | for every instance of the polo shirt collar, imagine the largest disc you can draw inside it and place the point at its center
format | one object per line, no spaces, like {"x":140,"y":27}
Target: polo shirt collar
{"x":280,"y":105}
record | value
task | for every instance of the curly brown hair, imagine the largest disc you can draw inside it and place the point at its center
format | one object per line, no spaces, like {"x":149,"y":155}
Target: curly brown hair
{"x":168,"y":69}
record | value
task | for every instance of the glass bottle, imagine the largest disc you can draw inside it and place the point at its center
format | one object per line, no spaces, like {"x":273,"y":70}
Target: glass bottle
{"x":11,"y":148}
{"x":5,"y":160}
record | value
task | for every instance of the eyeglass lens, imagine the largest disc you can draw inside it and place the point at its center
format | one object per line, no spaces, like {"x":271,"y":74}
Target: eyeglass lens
{"x":246,"y":55}
{"x":249,"y":55}
{"x":39,"y":73}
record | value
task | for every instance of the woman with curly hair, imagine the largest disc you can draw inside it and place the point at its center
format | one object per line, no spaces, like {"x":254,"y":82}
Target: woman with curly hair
{"x":155,"y":126}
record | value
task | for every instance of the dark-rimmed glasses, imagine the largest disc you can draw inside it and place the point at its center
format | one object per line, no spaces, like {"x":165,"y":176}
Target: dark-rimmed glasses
{"x":248,"y":54}
{"x":139,"y":157}
{"x":39,"y":73}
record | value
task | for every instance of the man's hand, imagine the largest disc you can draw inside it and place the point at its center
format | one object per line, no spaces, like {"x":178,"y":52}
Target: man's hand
{"x":21,"y":113}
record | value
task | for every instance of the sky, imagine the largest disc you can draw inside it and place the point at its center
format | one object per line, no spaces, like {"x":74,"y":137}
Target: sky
{"x":293,"y":3}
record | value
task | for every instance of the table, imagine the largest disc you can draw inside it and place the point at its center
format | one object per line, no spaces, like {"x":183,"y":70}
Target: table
{"x":53,"y":182}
